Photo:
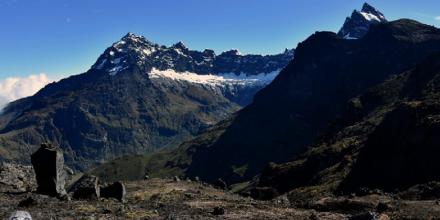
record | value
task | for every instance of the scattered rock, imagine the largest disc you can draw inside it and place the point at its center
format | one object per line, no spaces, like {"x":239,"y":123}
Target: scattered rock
{"x":48,"y":163}
{"x":197,"y":179}
{"x":383,"y":217}
{"x":370,"y":216}
{"x":313,"y":216}
{"x":220,"y":184}
{"x":218,"y":211}
{"x":364,"y":216}
{"x":176,"y":179}
{"x":28,"y":202}
{"x":115,"y":190}
{"x":86,"y":188}
{"x":382,"y":207}
{"x":17,"y":178}
{"x":343,"y":205}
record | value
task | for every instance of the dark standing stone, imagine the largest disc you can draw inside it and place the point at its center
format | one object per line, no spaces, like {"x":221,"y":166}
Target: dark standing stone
{"x":48,"y":163}
{"x":86,"y":188}
{"x":115,"y":190}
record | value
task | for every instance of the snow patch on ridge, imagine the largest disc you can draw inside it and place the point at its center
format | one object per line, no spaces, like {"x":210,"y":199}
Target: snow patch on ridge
{"x":215,"y":80}
{"x":369,"y":16}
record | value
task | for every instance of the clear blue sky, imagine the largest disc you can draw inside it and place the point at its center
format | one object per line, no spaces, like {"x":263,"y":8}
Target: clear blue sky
{"x":63,"y":37}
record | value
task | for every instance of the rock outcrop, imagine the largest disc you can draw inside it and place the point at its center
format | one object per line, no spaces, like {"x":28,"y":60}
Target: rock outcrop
{"x":17,"y":178}
{"x":87,"y":187}
{"x":115,"y":190}
{"x":48,"y":163}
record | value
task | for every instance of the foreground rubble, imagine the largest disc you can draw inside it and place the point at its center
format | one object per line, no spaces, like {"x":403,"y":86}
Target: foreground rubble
{"x":169,"y":199}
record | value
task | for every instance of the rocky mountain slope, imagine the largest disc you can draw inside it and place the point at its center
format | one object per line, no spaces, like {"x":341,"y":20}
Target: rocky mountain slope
{"x":386,"y":140}
{"x":136,"y":98}
{"x":298,"y":106}
{"x":358,"y":24}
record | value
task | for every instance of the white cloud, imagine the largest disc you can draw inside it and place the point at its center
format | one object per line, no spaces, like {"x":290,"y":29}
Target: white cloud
{"x":14,"y":88}
{"x":437,"y":18}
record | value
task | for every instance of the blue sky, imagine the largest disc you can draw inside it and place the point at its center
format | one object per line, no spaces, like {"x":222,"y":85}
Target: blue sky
{"x":64,"y":37}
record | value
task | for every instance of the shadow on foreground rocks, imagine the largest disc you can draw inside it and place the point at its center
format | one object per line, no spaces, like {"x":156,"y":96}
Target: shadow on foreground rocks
{"x":51,"y":173}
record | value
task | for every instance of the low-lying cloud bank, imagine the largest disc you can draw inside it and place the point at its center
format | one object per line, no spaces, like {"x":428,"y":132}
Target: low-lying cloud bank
{"x":13,"y":88}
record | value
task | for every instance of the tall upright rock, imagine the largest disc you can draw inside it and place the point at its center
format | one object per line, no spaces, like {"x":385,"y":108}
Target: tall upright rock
{"x":48,"y":163}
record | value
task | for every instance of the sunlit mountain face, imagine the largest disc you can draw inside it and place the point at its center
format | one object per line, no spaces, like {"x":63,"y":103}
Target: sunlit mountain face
{"x":138,"y":97}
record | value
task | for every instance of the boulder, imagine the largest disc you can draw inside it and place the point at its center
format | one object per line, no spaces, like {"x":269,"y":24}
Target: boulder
{"x":48,"y":163}
{"x":86,"y":188}
{"x":115,"y":190}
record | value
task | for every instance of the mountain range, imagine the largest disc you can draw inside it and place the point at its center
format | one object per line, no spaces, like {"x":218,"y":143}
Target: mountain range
{"x":342,"y":114}
{"x":325,"y":121}
{"x":138,"y":97}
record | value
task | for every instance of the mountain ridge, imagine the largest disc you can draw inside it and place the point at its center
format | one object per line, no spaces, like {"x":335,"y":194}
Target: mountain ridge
{"x":286,"y":116}
{"x":131,"y":102}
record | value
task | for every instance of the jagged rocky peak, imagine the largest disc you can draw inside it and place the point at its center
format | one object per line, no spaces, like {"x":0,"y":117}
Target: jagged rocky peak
{"x":133,"y":50}
{"x":129,"y":50}
{"x":233,"y":52}
{"x":132,"y":42}
{"x":289,"y":52}
{"x":180,"y":45}
{"x":371,"y":10}
{"x":358,"y":24}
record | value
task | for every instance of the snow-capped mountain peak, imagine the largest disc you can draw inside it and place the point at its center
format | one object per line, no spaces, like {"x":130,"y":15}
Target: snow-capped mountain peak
{"x":368,"y":9}
{"x":133,"y":50}
{"x":358,"y":24}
